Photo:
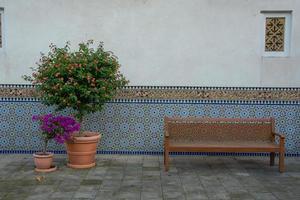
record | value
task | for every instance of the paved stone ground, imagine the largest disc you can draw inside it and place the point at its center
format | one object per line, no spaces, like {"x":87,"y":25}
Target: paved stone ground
{"x":142,"y":177}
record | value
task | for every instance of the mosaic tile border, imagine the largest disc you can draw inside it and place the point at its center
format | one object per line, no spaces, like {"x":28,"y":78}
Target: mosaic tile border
{"x":158,"y":153}
{"x":167,"y":93}
{"x":137,"y":101}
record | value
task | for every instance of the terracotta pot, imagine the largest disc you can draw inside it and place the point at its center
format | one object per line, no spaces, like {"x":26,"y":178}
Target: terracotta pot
{"x":43,"y":162}
{"x":82,"y":150}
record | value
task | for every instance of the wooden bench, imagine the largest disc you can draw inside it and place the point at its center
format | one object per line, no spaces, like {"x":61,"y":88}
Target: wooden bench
{"x":222,"y":135}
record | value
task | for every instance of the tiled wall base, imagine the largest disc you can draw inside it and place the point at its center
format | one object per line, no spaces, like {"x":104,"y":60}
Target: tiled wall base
{"x":137,"y":126}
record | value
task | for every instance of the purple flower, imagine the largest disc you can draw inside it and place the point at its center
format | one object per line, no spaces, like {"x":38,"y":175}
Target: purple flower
{"x":35,"y":117}
{"x":59,"y":139}
{"x":60,"y":128}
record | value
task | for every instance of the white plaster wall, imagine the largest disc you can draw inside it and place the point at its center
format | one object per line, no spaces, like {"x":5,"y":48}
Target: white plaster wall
{"x":158,"y":42}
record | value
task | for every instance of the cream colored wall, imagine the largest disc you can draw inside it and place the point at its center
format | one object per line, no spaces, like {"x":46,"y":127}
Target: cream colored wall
{"x":158,"y":42}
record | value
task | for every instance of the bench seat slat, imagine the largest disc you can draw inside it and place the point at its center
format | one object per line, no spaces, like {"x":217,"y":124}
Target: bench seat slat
{"x":228,"y":147}
{"x":220,"y":149}
{"x":225,"y":144}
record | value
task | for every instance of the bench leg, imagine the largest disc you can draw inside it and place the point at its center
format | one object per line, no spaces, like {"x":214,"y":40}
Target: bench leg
{"x":272,"y":158}
{"x":281,"y":161}
{"x":166,"y":159}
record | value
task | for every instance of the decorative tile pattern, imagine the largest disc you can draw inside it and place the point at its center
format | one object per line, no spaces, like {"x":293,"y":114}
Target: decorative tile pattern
{"x":20,"y":91}
{"x":138,"y":126}
{"x":177,"y":93}
{"x":274,"y":37}
{"x":133,"y":122}
{"x":209,"y":93}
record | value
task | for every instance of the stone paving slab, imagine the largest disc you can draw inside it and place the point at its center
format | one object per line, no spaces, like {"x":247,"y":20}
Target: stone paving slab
{"x":143,"y":177}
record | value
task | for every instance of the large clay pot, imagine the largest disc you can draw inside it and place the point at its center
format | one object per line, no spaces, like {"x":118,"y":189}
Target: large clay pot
{"x":82,"y":150}
{"x":43,"y":162}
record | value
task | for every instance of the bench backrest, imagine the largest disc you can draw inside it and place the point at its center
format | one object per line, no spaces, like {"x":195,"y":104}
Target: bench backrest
{"x":219,"y":129}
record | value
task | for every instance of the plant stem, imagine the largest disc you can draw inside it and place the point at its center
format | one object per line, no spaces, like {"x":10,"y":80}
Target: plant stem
{"x":80,"y":120}
{"x":45,"y":146}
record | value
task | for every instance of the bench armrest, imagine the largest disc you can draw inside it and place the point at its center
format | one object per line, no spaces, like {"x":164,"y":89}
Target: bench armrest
{"x":166,"y":134}
{"x":279,"y":135}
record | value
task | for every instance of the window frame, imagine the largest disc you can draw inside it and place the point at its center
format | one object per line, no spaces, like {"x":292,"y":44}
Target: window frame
{"x":287,"y":33}
{"x":2,"y":27}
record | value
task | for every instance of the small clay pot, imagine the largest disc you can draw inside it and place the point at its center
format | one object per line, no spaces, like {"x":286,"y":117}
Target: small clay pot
{"x":43,"y":161}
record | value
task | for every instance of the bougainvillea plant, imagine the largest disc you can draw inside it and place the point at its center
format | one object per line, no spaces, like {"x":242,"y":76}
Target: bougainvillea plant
{"x":60,"y":128}
{"x":83,"y":79}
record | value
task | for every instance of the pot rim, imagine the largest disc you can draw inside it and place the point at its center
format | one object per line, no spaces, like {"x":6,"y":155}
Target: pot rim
{"x":89,"y":137}
{"x":42,"y":155}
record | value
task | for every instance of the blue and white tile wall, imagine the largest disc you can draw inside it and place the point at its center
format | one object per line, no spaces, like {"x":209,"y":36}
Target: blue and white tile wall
{"x":136,"y":126}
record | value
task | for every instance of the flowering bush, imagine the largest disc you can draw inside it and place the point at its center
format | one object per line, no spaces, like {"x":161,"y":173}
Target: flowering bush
{"x":60,"y":128}
{"x":82,"y":80}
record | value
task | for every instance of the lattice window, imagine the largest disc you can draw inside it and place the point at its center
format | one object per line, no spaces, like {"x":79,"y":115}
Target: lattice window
{"x":274,"y":38}
{"x":1,"y":23}
{"x":277,"y":25}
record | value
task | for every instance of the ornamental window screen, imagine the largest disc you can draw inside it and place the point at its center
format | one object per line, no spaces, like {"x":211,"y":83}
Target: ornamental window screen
{"x":1,"y":37}
{"x":274,"y":34}
{"x":277,"y":30}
